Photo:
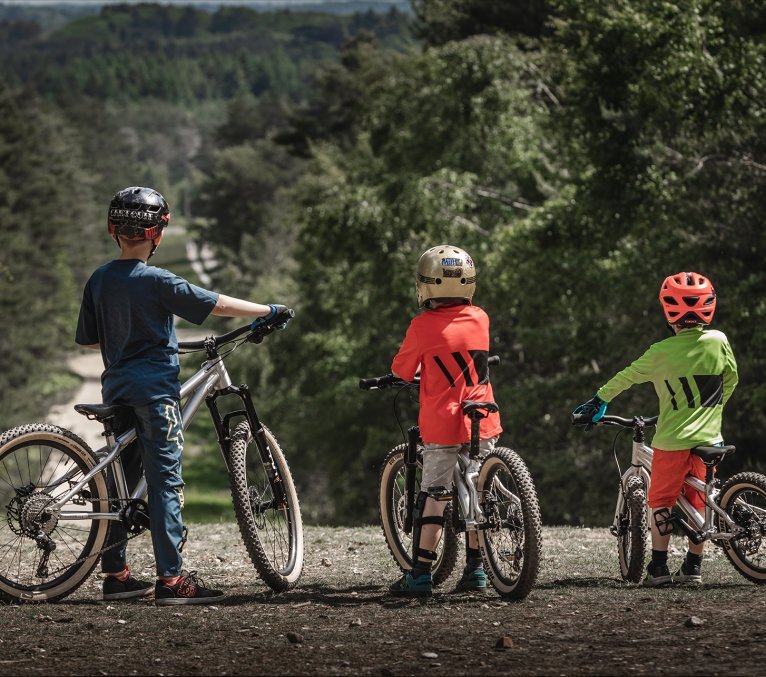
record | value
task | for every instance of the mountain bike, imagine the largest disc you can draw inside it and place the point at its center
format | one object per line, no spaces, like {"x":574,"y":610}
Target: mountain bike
{"x":734,"y":517}
{"x":55,"y":502}
{"x":499,"y":503}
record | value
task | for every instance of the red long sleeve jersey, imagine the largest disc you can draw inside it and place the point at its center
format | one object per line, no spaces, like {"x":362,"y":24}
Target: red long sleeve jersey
{"x":451,"y":347}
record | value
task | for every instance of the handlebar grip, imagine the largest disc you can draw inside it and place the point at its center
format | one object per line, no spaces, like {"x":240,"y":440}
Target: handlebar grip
{"x":377,"y":382}
{"x":581,"y":419}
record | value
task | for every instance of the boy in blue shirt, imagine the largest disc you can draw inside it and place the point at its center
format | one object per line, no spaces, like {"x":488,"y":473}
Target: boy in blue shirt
{"x":127,"y":312}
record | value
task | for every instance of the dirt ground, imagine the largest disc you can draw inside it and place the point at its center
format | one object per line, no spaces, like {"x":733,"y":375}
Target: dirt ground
{"x":580,"y":619}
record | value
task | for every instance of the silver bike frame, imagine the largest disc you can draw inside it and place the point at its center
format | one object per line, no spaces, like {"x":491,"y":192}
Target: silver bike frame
{"x":212,"y":376}
{"x":641,"y":466}
{"x":464,"y":480}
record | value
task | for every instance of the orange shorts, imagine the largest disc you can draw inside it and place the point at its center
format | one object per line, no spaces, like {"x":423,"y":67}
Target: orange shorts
{"x":668,"y":471}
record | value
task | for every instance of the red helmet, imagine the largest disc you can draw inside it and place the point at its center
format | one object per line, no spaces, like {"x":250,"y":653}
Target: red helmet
{"x":688,"y":299}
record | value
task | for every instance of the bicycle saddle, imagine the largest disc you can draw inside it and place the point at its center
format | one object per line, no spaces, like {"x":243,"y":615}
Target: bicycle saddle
{"x":99,"y":412}
{"x":714,"y":454}
{"x":470,"y":406}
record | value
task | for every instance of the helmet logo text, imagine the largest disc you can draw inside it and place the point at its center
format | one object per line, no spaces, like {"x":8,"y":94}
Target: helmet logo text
{"x":132,"y":214}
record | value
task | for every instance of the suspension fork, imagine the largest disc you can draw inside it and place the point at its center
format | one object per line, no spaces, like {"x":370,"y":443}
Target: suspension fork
{"x":410,"y":468}
{"x":223,"y":433}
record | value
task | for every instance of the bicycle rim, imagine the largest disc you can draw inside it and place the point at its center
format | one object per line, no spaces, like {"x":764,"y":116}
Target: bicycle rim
{"x":38,"y":465}
{"x":392,"y":512}
{"x":270,"y":525}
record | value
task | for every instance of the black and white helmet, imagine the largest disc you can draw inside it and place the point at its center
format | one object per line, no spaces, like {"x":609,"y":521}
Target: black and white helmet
{"x":138,"y":213}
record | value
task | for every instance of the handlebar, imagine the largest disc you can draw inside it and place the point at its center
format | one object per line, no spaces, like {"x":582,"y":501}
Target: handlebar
{"x":391,"y":381}
{"x":610,"y":419}
{"x":255,"y":335}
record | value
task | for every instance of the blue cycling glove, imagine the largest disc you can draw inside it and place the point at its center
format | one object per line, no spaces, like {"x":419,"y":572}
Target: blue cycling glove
{"x":594,"y":407}
{"x":276,"y":308}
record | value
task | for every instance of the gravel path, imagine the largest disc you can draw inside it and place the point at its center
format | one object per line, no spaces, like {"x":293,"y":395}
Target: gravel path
{"x":339,"y":621}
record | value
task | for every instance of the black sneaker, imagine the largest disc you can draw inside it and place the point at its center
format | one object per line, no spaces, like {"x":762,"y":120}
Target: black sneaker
{"x":656,"y":576}
{"x":688,"y":573}
{"x":130,"y":588}
{"x":188,"y":589}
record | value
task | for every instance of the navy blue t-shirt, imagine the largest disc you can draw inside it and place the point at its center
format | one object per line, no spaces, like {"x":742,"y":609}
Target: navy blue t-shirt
{"x":128,"y":308}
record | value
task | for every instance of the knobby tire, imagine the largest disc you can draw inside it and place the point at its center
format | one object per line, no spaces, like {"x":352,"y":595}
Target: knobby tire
{"x":512,"y":545}
{"x":33,"y":459}
{"x":743,"y":497}
{"x":279,"y":562}
{"x":631,"y":540}
{"x":392,"y":509}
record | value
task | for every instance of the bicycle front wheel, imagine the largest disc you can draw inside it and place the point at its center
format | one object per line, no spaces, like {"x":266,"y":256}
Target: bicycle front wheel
{"x":512,"y":543}
{"x":631,"y":532}
{"x":392,"y":503}
{"x":743,"y":497}
{"x":267,"y":509}
{"x":44,"y":557}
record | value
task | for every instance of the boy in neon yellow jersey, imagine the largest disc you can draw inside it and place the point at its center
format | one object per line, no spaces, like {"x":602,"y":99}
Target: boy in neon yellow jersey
{"x":694,"y":374}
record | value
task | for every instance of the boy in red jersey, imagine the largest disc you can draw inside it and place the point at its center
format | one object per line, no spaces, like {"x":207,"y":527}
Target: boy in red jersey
{"x":449,"y":345}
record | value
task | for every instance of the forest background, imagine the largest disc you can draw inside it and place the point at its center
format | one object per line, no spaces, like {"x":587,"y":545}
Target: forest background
{"x":580,"y":150}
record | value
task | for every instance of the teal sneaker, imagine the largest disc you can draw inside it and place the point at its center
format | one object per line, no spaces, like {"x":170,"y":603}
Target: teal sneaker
{"x":408,"y":586}
{"x":474,"y":580}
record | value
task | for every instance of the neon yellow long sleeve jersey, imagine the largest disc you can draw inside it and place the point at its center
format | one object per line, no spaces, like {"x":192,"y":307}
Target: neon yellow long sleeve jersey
{"x":694,"y":374}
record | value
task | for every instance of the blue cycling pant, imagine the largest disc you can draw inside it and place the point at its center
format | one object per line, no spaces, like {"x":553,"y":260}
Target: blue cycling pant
{"x":158,"y":450}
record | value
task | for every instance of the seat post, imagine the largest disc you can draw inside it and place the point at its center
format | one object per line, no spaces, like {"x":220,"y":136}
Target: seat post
{"x":709,"y":473}
{"x":476,"y":417}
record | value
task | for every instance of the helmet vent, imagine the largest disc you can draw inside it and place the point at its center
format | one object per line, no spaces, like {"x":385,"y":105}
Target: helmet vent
{"x":670,"y":300}
{"x":691,"y":300}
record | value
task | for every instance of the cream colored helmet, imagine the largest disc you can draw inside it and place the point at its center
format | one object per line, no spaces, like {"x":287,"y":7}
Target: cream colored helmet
{"x":445,"y":272}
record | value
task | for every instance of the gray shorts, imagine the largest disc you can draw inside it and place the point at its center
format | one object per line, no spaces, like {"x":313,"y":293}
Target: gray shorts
{"x":439,"y":462}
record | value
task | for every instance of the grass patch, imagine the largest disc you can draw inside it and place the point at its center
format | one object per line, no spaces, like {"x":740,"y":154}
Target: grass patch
{"x":207,"y":506}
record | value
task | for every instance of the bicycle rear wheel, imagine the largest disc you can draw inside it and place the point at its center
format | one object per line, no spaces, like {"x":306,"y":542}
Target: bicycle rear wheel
{"x":392,"y":504}
{"x":743,"y":497}
{"x":512,"y":544}
{"x":44,"y":558}
{"x":631,"y":532}
{"x":267,"y":509}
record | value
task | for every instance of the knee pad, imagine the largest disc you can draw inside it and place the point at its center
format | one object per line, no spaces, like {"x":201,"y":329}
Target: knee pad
{"x":664,"y":521}
{"x":418,"y":520}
